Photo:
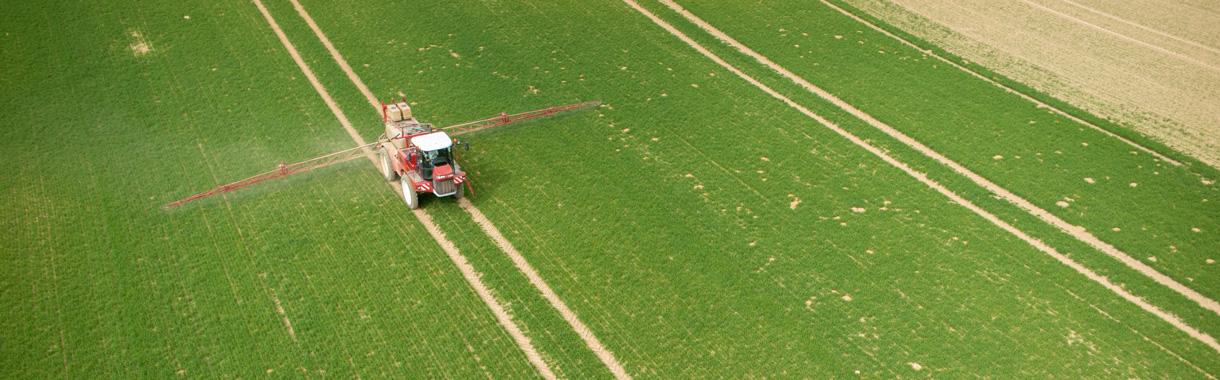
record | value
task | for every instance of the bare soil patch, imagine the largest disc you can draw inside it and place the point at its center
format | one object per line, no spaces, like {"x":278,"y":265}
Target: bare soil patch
{"x":287,"y":323}
{"x":139,"y":45}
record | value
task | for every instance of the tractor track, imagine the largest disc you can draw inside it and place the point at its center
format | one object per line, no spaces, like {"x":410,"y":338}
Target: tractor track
{"x":1121,"y":36}
{"x":922,"y":177}
{"x":468,"y":271}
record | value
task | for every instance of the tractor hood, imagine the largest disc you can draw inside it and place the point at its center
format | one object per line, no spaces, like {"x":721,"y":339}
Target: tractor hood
{"x":432,"y":141}
{"x":442,"y":172}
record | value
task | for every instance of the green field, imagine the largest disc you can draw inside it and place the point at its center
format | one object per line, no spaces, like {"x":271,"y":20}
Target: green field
{"x":698,"y":226}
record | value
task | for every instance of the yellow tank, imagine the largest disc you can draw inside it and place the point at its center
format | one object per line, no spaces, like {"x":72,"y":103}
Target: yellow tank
{"x":393,"y":113}
{"x":404,"y":109}
{"x":394,"y":129}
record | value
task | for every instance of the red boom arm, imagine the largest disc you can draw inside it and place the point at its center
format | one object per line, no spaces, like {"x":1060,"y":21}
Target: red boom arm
{"x":282,"y":171}
{"x":503,"y":118}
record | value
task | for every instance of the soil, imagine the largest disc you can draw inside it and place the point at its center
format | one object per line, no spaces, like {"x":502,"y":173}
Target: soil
{"x":139,"y":45}
{"x":280,"y":308}
{"x":139,"y":49}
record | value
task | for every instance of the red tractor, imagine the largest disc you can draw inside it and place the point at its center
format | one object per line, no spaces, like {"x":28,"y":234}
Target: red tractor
{"x":419,"y":156}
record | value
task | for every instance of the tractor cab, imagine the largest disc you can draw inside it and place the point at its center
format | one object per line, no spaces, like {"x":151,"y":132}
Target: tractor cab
{"x":423,"y":163}
{"x":435,"y":157}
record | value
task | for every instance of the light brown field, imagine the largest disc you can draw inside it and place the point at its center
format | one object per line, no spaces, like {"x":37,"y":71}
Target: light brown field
{"x":1151,"y":65}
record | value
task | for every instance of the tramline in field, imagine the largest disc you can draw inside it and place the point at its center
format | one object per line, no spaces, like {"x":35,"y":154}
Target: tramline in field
{"x":418,"y":155}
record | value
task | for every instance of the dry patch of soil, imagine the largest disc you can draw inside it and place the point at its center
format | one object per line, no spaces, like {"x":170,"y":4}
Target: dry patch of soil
{"x":139,"y":45}
{"x":287,"y":323}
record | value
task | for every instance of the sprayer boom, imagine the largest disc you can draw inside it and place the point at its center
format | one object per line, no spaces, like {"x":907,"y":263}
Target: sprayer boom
{"x":285,"y":170}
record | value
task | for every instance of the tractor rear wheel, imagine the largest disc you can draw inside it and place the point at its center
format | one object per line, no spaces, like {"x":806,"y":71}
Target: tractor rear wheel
{"x":408,"y":193}
{"x":387,"y":167}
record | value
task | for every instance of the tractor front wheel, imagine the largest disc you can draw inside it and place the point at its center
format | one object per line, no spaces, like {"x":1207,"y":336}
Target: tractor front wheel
{"x":387,"y":167}
{"x":408,"y":193}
